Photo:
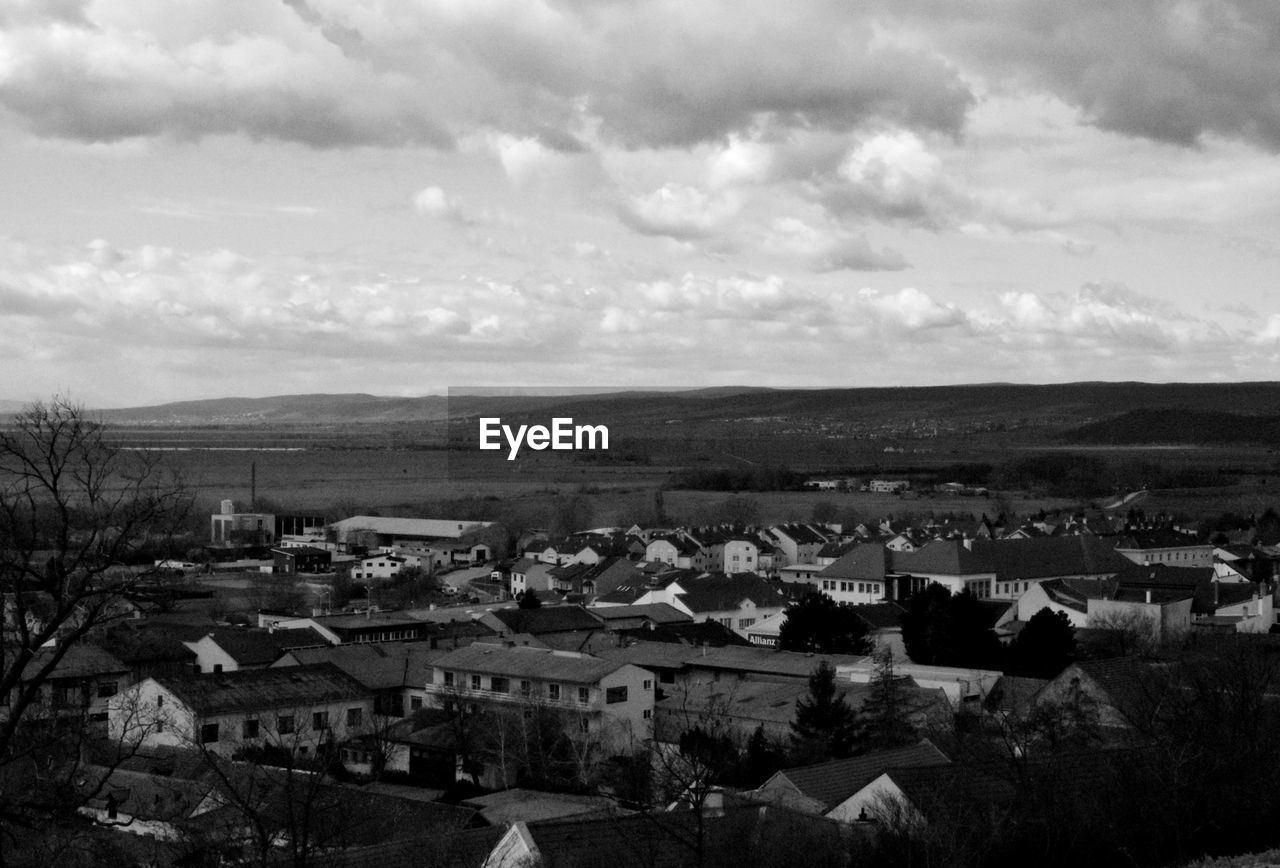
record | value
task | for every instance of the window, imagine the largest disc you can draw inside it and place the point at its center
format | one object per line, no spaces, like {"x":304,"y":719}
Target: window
{"x":585,"y":723}
{"x":616,"y":694}
{"x":584,"y":695}
{"x":160,"y":701}
{"x":745,"y":622}
{"x":249,"y":729}
{"x":448,"y":679}
{"x":526,"y":688}
{"x":284,"y":724}
{"x":320,"y":721}
{"x":107,"y":688}
{"x":217,"y":668}
{"x":648,"y":713}
{"x":208,"y":733}
{"x":475,"y":682}
{"x":553,"y":692}
{"x":500,"y":685}
{"x":648,"y":684}
{"x":355,"y":716}
{"x":159,"y":726}
{"x":415,"y":703}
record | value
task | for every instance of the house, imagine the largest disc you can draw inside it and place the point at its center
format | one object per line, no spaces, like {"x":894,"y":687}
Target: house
{"x":301,"y":559}
{"x":151,"y":647}
{"x":1107,"y":603}
{"x":616,"y":618}
{"x":294,"y":708}
{"x":825,"y":788}
{"x":230,"y":528}
{"x":528,"y":574}
{"x":888,"y":486}
{"x":566,"y":626}
{"x":393,"y":672}
{"x":1165,"y":546}
{"x":370,"y":626}
{"x":1125,"y":691}
{"x":1018,"y":563}
{"x":733,"y":829}
{"x":676,"y":550}
{"x":915,"y":793}
{"x":737,"y":601}
{"x":798,"y":543}
{"x":229,"y":649}
{"x":379,"y":567}
{"x":611,"y":699}
{"x":950,"y":563}
{"x":79,"y":686}
{"x":1237,"y":606}
{"x":857,"y":576}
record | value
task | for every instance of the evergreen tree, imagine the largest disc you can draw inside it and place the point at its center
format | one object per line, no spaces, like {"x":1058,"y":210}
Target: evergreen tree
{"x":942,"y":629}
{"x":528,"y":599}
{"x":824,"y":726}
{"x":883,"y":720}
{"x":1045,"y":647}
{"x":818,"y":624}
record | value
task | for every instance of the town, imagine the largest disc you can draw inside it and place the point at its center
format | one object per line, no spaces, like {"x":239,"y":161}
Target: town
{"x":299,"y":689}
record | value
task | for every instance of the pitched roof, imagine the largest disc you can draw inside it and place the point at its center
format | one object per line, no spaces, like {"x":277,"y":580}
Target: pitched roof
{"x":942,"y":557}
{"x":862,"y":562}
{"x":832,"y":782}
{"x":1048,"y":557}
{"x":526,"y":662}
{"x":660,"y":613}
{"x":802,"y":534}
{"x":721,"y":593}
{"x":79,"y":660}
{"x":376,"y":665}
{"x":548,"y":619}
{"x":1076,"y":593}
{"x":263,"y":689}
{"x":261,"y":647}
{"x":1157,"y":538}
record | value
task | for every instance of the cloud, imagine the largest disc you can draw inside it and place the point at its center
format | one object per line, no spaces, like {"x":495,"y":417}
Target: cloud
{"x":828,"y":249}
{"x":433,"y":202}
{"x":217,"y":316}
{"x":911,"y":309}
{"x":894,"y":177}
{"x":1171,"y":72}
{"x":334,"y":74}
{"x":678,"y":211}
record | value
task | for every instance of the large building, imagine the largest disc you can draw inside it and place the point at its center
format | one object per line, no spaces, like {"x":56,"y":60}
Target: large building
{"x":608,"y":698}
{"x":375,"y":531}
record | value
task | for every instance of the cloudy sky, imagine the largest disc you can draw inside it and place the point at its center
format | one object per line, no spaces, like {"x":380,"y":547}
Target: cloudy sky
{"x":247,"y":197}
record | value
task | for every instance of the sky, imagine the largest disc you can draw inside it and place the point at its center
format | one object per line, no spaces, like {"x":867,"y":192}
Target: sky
{"x":247,"y":198}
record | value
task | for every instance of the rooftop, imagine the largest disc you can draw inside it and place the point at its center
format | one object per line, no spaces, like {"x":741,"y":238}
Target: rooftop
{"x":527,"y":662}
{"x":261,"y":689}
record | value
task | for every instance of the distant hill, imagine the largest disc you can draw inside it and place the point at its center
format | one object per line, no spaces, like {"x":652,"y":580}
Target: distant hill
{"x":1178,"y":426}
{"x":1062,"y":407}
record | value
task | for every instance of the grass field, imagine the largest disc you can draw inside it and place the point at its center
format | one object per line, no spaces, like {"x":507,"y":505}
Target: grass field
{"x":382,"y":474}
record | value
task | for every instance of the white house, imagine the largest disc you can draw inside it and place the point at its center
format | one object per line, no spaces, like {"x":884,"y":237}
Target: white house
{"x":296,"y":708}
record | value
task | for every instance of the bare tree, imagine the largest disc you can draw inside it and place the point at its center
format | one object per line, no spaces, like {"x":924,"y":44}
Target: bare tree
{"x":76,"y":515}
